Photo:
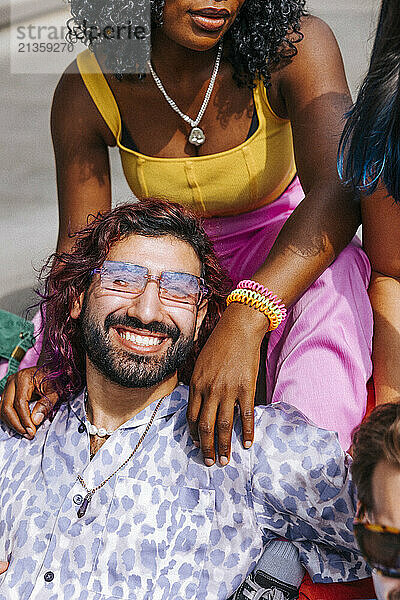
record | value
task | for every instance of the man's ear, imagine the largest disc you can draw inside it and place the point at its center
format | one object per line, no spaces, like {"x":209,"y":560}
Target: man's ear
{"x":201,"y":313}
{"x":77,"y":306}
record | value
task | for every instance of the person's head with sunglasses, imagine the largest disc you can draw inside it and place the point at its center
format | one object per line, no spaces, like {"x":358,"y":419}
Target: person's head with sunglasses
{"x":137,"y":296}
{"x":376,"y":473}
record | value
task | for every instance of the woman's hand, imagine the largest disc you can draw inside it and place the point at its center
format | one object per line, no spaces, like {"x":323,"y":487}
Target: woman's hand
{"x":3,"y":566}
{"x":21,"y":389}
{"x":225,"y":374}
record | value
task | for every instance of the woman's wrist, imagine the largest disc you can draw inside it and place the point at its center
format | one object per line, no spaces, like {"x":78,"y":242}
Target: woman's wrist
{"x":260,"y":298}
{"x":247,"y":321}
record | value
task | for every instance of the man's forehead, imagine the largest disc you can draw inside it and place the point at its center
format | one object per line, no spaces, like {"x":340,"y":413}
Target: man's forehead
{"x":157,"y":253}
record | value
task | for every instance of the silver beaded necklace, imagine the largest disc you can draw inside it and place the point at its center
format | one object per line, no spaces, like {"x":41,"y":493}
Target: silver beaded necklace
{"x":196,"y":136}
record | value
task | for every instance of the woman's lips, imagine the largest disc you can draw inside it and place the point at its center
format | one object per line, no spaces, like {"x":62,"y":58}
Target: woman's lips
{"x":208,"y":23}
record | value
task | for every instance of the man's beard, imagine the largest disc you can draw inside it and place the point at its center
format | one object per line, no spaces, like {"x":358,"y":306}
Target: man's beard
{"x":126,"y":368}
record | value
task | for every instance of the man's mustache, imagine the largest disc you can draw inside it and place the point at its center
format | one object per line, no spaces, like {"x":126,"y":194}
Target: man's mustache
{"x":135,"y":323}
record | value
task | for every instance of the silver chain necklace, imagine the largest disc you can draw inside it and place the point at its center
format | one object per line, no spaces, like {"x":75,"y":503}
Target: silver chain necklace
{"x":196,"y":136}
{"x":90,"y":493}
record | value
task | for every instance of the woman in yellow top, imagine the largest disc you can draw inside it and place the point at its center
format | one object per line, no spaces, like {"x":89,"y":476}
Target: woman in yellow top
{"x":278,"y":93}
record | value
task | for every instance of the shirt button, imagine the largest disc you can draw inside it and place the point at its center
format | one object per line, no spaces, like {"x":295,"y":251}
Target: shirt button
{"x":49,"y":576}
{"x":81,"y":428}
{"x":78,"y":499}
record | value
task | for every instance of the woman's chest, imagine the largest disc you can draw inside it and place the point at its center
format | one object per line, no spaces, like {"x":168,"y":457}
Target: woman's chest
{"x":159,"y":131}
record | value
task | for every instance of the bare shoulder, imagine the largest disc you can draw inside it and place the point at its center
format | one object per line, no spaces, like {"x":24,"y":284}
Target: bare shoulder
{"x":318,"y":48}
{"x":315,"y":70}
{"x":74,"y":108}
{"x":314,"y":28}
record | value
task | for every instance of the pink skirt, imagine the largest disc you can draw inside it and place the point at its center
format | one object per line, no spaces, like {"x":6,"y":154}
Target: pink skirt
{"x":319,"y":359}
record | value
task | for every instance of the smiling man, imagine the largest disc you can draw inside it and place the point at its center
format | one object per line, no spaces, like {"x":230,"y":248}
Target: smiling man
{"x":112,"y":498}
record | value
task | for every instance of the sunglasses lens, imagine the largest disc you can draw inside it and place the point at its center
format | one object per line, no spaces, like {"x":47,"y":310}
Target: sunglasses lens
{"x":179,"y":287}
{"x":381,"y":549}
{"x":123,"y":277}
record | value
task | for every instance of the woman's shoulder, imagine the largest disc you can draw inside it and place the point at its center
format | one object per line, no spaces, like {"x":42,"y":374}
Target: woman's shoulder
{"x":70,"y":87}
{"x":315,"y":43}
{"x":313,"y":57}
{"x":315,"y":33}
{"x":73,"y":102}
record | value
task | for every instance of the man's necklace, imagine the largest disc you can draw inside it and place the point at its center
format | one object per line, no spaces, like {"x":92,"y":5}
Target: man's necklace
{"x":92,"y":429}
{"x":90,"y":492}
{"x":196,"y":136}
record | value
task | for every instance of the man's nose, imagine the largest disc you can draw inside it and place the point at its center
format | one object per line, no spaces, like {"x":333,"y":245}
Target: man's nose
{"x":147,"y":307}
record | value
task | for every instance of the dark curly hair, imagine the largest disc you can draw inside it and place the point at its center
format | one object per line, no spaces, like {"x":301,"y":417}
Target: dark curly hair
{"x":70,"y":274}
{"x":263,"y":35}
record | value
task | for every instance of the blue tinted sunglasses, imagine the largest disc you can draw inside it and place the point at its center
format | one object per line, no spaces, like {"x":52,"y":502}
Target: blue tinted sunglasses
{"x":173,"y":287}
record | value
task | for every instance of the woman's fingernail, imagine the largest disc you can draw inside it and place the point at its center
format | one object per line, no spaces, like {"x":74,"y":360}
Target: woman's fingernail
{"x":247,"y":444}
{"x":37,"y":418}
{"x":223,"y":460}
{"x":208,"y":462}
{"x":197,"y":444}
{"x":26,"y":436}
{"x":30,"y":432}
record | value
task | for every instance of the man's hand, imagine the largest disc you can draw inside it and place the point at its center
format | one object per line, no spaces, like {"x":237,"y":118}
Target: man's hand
{"x":21,"y":388}
{"x":3,"y":566}
{"x":225,"y":374}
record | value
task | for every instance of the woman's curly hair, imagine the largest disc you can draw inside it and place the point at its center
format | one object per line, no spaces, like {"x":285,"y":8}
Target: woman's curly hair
{"x":263,"y":35}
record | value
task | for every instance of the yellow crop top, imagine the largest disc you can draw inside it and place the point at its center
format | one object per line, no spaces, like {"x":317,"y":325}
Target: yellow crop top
{"x":232,"y":182}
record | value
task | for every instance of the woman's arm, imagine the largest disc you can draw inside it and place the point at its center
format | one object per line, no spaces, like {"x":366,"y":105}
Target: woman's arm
{"x":381,"y":235}
{"x":312,"y":92}
{"x":314,"y":96}
{"x":80,"y":140}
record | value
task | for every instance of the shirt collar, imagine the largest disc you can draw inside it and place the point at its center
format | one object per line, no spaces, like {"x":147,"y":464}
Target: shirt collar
{"x":170,"y":405}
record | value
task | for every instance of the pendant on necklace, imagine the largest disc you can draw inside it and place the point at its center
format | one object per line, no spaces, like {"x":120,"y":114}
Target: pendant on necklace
{"x":197,"y":137}
{"x":83,"y":507}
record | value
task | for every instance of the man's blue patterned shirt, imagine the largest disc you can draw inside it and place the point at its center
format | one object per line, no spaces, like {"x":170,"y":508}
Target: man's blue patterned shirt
{"x":167,"y":527}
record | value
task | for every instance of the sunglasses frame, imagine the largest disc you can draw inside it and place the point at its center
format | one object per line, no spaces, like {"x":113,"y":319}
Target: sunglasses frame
{"x":359,"y":524}
{"x":203,"y":289}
